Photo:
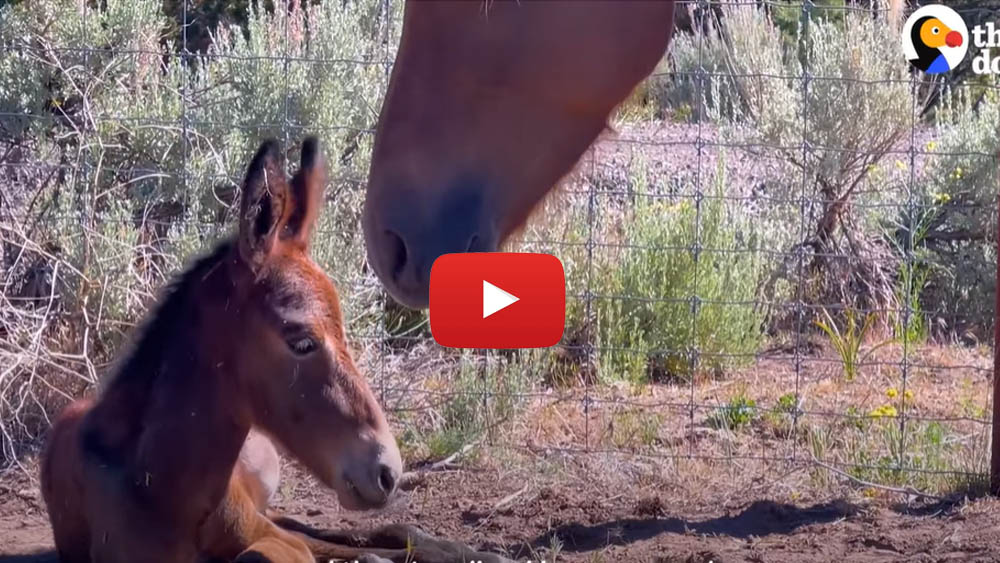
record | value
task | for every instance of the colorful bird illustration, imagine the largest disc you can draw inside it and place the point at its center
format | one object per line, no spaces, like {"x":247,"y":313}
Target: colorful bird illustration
{"x":929,"y":34}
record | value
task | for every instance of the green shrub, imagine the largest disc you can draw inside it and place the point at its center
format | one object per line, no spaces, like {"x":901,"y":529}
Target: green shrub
{"x":160,"y":140}
{"x":828,"y":109}
{"x":781,"y":418}
{"x":960,"y":182}
{"x":926,"y":455}
{"x":685,"y":283}
{"x":788,"y":16}
{"x":640,"y":272}
{"x":483,"y":393}
{"x":702,"y":68}
{"x":835,"y":134}
{"x":128,"y":159}
{"x":635,"y":428}
{"x":738,"y":413}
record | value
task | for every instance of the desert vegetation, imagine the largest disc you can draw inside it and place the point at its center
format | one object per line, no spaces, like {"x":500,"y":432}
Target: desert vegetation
{"x":783,"y":251}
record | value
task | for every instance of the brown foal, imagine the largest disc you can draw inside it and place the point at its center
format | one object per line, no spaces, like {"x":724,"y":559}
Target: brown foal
{"x":167,"y":464}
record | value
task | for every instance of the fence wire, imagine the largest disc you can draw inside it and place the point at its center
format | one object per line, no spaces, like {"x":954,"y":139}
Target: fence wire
{"x":699,"y":269}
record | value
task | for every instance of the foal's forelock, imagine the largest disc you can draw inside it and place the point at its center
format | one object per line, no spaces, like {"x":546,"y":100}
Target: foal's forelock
{"x":294,"y":302}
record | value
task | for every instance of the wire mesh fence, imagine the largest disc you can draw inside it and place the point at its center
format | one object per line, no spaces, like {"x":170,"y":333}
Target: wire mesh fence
{"x":782,"y":256}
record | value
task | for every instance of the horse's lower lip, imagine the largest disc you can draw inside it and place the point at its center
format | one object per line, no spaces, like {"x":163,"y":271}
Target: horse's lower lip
{"x":411,"y":297}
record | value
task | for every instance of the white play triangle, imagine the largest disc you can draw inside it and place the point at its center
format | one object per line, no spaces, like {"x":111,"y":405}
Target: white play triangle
{"x":495,"y":299}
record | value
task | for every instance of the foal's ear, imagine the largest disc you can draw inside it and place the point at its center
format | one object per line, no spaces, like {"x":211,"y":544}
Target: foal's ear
{"x":265,"y":195}
{"x":306,"y":193}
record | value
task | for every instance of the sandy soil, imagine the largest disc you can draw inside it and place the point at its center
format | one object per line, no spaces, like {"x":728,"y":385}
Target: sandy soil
{"x":533,"y":517}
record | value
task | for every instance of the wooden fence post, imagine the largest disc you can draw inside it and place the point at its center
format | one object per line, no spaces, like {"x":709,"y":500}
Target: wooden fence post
{"x":995,"y":435}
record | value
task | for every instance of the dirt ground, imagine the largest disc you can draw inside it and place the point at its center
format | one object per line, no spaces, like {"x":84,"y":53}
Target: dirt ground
{"x":602,"y":519}
{"x":612,"y":482}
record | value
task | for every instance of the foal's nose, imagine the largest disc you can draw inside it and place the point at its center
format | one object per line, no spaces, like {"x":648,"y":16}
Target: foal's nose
{"x":387,"y":479}
{"x":374,"y":475}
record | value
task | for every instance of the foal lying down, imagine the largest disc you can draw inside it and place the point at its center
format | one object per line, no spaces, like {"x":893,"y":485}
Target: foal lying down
{"x":172,"y":462}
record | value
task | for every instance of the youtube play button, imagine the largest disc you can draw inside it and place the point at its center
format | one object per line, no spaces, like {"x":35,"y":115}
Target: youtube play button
{"x":497,"y":300}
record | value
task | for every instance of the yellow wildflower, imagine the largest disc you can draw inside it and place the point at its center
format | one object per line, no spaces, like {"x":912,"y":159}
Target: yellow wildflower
{"x":891,"y":393}
{"x":887,"y":411}
{"x":900,"y":164}
{"x":940,"y":198}
{"x":931,"y":145}
{"x":908,"y":395}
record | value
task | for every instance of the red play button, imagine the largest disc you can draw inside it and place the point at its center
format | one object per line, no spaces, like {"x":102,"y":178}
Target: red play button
{"x":497,"y":300}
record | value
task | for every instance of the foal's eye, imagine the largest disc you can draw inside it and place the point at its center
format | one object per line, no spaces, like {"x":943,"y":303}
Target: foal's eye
{"x":302,"y":345}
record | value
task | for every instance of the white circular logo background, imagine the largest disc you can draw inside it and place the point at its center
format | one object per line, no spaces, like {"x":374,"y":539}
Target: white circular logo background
{"x":950,"y":18}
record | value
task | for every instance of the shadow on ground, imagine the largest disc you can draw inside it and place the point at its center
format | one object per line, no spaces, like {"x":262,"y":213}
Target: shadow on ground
{"x":760,"y":519}
{"x":941,"y":507}
{"x":40,"y":557}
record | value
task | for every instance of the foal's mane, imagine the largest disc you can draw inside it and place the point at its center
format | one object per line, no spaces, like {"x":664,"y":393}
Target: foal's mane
{"x":140,"y":362}
{"x":170,"y":315}
{"x":117,"y":418}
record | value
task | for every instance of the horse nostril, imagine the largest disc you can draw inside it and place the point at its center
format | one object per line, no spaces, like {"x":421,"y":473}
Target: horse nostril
{"x":475,"y":244}
{"x":397,"y":254}
{"x":386,"y":479}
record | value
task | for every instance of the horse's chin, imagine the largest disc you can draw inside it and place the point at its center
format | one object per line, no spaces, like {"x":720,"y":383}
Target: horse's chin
{"x":409,"y":297}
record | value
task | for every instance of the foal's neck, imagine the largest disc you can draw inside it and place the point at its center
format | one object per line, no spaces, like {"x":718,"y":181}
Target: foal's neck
{"x":173,"y":419}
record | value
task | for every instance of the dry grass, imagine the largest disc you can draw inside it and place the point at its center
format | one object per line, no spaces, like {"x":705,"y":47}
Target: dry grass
{"x":935,"y":440}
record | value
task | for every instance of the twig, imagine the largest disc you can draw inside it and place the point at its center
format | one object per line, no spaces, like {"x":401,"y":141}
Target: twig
{"x":899,"y":490}
{"x":411,"y":479}
{"x":447,"y":462}
{"x":500,"y":504}
{"x":507,"y":499}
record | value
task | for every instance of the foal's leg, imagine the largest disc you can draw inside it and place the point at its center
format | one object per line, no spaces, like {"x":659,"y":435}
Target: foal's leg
{"x":273,"y":538}
{"x":237,"y":529}
{"x":271,"y":544}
